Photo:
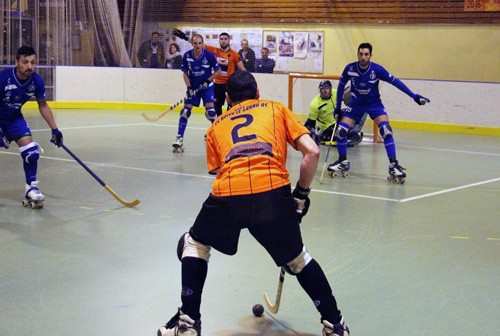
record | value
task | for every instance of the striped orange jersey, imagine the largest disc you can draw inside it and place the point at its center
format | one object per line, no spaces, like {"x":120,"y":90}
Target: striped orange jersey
{"x":227,"y":61}
{"x":247,"y":146}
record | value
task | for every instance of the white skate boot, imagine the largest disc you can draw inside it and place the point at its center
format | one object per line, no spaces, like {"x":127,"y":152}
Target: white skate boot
{"x":397,"y":173}
{"x":339,"y":168}
{"x":337,"y":329}
{"x":33,"y":197}
{"x":180,"y":325}
{"x":178,"y":145}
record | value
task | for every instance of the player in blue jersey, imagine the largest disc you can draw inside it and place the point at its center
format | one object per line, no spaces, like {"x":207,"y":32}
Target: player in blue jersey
{"x":199,"y":67}
{"x":364,"y":77}
{"x":18,"y":85}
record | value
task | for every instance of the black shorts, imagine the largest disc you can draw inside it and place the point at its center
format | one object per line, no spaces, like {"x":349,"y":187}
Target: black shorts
{"x":269,"y":216}
{"x":220,"y":97}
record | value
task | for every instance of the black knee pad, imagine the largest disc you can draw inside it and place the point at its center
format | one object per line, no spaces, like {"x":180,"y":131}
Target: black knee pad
{"x":342,"y":131}
{"x":188,"y":247}
{"x":180,"y":246}
{"x":296,"y":266}
{"x":385,"y":129}
{"x":186,"y":112}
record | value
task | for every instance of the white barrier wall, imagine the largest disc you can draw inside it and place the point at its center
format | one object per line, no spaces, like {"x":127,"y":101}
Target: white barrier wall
{"x":452,"y":102}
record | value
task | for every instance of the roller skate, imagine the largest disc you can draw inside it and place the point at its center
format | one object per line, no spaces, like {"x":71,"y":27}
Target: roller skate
{"x":337,"y":329}
{"x":33,"y":198}
{"x":339,"y":168}
{"x":178,"y":145}
{"x":397,"y":174}
{"x":180,"y":325}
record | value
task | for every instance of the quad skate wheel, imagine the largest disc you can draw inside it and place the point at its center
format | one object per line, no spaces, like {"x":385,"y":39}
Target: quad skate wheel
{"x":32,"y":204}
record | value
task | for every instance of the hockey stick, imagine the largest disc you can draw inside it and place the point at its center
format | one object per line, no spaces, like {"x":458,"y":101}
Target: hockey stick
{"x":273,"y":308}
{"x":171,"y":108}
{"x":101,"y":182}
{"x":328,"y":153}
{"x":161,"y":115}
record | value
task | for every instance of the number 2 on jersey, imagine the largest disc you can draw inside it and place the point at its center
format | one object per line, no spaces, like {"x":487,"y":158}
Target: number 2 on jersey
{"x":235,"y":131}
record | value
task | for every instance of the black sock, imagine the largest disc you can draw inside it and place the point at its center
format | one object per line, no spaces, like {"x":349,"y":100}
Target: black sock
{"x":194,"y":273}
{"x":314,"y":282}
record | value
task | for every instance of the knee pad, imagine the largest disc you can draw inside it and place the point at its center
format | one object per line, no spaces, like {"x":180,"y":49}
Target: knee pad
{"x":342,"y":131}
{"x":296,"y":266}
{"x":210,"y":114}
{"x":186,"y":112}
{"x":30,"y":152}
{"x":385,"y":129}
{"x":188,"y":247}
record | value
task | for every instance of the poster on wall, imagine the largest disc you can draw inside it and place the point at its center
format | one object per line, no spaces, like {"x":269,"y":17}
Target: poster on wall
{"x":286,"y":44}
{"x":315,"y":42}
{"x":297,"y":51}
{"x":300,"y":44}
{"x":270,"y":41}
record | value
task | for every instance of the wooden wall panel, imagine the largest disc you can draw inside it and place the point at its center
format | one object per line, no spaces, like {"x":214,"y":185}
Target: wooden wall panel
{"x":316,"y":11}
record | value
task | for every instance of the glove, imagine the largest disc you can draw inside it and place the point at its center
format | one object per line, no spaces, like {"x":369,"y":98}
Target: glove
{"x":205,"y":85}
{"x":190,"y":92}
{"x":301,"y":197}
{"x":180,"y":34}
{"x":57,"y":137}
{"x":3,"y":140}
{"x":315,"y":135}
{"x":421,"y":100}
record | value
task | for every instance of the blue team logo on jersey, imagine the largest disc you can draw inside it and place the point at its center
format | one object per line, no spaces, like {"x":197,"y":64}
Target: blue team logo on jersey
{"x":204,"y":61}
{"x":372,"y":75}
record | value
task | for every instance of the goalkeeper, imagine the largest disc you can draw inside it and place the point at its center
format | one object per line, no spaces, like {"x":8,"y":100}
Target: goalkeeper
{"x":321,"y":120}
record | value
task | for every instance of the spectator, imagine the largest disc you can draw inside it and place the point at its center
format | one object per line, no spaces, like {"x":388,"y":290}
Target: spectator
{"x":173,"y":57}
{"x":151,"y":53}
{"x":264,"y":64}
{"x":247,"y":55}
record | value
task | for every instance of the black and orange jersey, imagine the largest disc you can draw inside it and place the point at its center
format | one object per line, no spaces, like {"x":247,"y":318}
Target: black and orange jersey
{"x":247,"y":147}
{"x":227,"y":61}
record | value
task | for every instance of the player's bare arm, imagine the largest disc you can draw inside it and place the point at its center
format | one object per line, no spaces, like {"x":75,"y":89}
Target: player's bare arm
{"x":310,"y":151}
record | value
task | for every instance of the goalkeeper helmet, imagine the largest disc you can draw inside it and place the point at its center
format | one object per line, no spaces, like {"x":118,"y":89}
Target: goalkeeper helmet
{"x":325,"y":84}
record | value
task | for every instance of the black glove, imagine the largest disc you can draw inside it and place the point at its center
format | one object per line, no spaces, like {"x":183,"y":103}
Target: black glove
{"x":57,"y":137}
{"x":190,"y":92}
{"x":180,"y":34}
{"x":205,"y":84}
{"x":301,"y":197}
{"x":421,"y":100}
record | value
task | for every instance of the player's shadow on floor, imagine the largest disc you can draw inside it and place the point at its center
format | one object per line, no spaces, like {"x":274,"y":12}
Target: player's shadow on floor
{"x":264,"y":326}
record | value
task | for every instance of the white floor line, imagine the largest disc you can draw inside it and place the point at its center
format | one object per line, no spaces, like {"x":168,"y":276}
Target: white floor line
{"x":414,"y":198}
{"x":147,"y":170}
{"x":450,"y":150}
{"x":355,"y":195}
{"x":109,"y":165}
{"x":117,"y":126}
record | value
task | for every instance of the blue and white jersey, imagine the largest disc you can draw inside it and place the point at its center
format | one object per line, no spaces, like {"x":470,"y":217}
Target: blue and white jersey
{"x":199,"y":69}
{"x":365,"y":84}
{"x":14,"y":92}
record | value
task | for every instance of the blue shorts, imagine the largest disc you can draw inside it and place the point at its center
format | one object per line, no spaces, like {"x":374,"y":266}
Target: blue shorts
{"x":15,"y":129}
{"x":208,"y":96}
{"x":357,"y":111}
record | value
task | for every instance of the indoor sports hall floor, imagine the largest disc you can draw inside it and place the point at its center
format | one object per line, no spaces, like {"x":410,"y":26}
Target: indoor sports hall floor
{"x":418,"y":259}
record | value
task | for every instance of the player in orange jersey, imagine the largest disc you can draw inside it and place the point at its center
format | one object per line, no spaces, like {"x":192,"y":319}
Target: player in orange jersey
{"x":229,"y":61}
{"x":246,"y":148}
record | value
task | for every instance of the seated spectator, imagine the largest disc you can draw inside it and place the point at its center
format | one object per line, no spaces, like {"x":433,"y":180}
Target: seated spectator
{"x":173,"y":57}
{"x":264,"y":64}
